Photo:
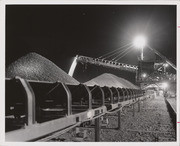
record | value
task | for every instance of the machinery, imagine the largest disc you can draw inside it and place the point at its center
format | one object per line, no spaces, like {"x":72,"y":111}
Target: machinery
{"x":42,"y":108}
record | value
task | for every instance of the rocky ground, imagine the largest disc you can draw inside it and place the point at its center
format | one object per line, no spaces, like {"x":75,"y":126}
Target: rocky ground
{"x":151,"y":124}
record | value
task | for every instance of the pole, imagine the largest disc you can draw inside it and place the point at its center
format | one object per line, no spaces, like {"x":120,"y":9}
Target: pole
{"x":119,"y":120}
{"x":139,"y":106}
{"x":164,"y":69}
{"x":133,"y":111}
{"x":142,"y":55}
{"x":97,"y":129}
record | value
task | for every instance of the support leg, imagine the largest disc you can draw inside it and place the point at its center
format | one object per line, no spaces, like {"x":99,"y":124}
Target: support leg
{"x":97,"y":130}
{"x":139,"y":106}
{"x":133,"y":110}
{"x":119,"y":120}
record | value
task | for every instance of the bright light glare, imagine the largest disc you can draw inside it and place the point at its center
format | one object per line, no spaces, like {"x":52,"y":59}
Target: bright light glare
{"x":144,"y":75}
{"x":90,"y":114}
{"x":166,"y":65}
{"x":139,"y":41}
{"x":164,"y":85}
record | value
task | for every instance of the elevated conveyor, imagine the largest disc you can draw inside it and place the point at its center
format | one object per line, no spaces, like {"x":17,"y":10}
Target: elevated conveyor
{"x":101,"y":62}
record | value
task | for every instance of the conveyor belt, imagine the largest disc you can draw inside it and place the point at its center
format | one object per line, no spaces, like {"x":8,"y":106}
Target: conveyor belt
{"x":63,"y":107}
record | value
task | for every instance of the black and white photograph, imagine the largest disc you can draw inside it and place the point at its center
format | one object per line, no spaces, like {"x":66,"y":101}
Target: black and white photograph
{"x":91,"y":73}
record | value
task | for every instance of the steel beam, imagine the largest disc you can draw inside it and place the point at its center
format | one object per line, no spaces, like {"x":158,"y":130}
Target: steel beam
{"x":103,"y":96}
{"x":37,"y":130}
{"x":118,"y":94}
{"x":69,"y":99}
{"x":73,"y":66}
{"x":89,"y":95}
{"x":30,"y":101}
{"x":107,"y":63}
{"x":111,"y":94}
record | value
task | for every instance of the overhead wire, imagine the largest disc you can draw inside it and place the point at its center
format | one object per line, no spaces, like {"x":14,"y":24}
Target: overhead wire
{"x":119,"y":50}
{"x":114,"y":51}
{"x":119,"y":55}
{"x":122,"y":53}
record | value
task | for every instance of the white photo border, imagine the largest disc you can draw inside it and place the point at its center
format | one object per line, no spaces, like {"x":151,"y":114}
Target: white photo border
{"x":3,"y":4}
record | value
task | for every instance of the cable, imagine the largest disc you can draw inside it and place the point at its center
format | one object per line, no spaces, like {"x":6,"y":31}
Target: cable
{"x":111,"y":52}
{"x":123,"y":54}
{"x":115,"y":53}
{"x":52,"y":89}
{"x":114,"y":50}
{"x":93,"y":88}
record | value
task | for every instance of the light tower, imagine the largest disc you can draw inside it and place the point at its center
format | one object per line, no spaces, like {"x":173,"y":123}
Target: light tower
{"x":140,"y":42}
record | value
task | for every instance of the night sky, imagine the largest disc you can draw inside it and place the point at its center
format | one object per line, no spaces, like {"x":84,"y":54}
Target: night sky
{"x":59,"y":32}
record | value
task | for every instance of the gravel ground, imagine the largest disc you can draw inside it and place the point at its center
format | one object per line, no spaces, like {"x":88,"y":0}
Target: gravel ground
{"x":151,"y":124}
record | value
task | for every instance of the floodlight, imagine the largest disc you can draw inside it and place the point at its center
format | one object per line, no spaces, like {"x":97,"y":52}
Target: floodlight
{"x":139,"y":41}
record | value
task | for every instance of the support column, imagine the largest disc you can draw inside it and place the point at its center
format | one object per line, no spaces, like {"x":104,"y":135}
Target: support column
{"x":133,"y":110}
{"x":139,"y":106}
{"x":142,"y":54}
{"x":97,"y":129}
{"x":30,"y":101}
{"x":73,"y":67}
{"x":119,"y":120}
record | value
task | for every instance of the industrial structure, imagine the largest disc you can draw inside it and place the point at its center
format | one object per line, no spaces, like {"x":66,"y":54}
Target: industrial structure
{"x":47,"y":108}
